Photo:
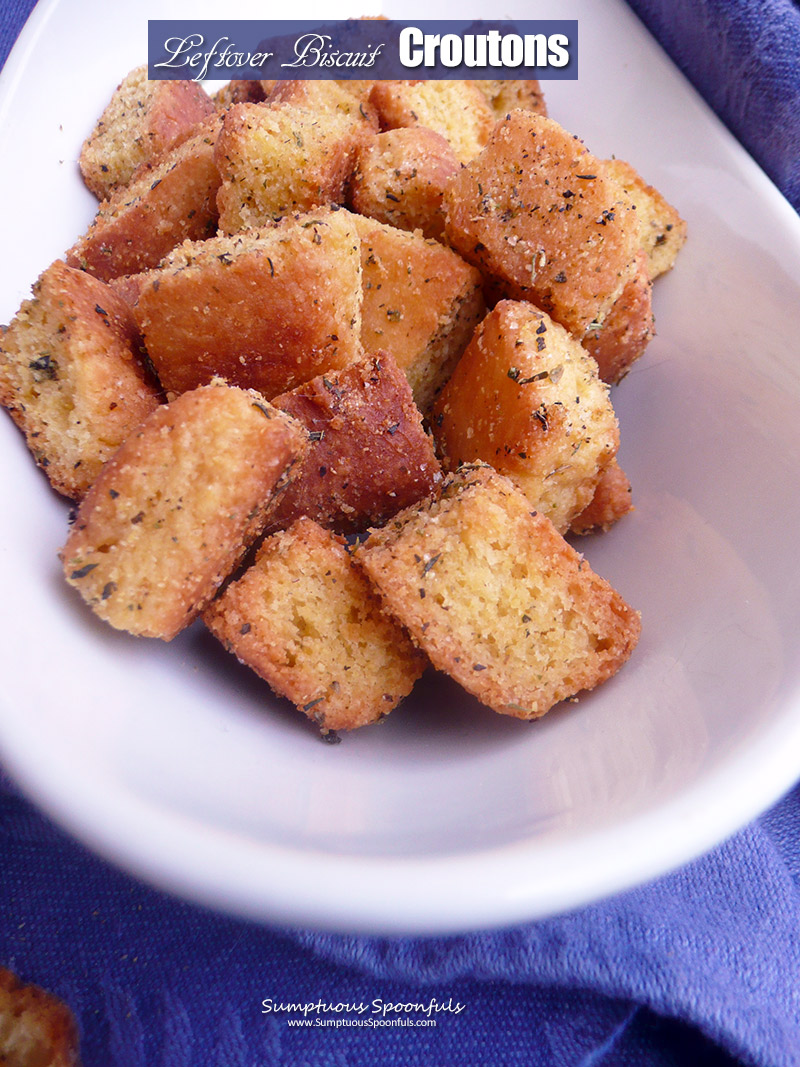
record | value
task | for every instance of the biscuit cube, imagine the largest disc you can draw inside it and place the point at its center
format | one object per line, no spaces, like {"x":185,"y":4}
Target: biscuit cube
{"x":458,"y":110}
{"x":617,"y":342}
{"x":662,"y":231}
{"x":128,"y":287}
{"x":507,"y":94}
{"x":536,"y":210}
{"x":70,"y":376}
{"x":36,"y":1028}
{"x":421,"y":303}
{"x":368,"y":455}
{"x":241,"y":91}
{"x":611,"y":501}
{"x":174,"y":510}
{"x":265,"y":309}
{"x":307,"y":621}
{"x":400,"y":177}
{"x":143,"y":120}
{"x":526,"y":398}
{"x":281,"y":157}
{"x":326,"y":96}
{"x":171,"y":200}
{"x":496,"y":597}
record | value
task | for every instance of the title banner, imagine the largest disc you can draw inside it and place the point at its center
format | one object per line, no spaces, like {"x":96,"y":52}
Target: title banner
{"x":376,"y":49}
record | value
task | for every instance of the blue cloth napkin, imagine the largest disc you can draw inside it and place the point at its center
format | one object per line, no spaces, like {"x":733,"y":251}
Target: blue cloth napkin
{"x":744,"y":57}
{"x":700,"y":967}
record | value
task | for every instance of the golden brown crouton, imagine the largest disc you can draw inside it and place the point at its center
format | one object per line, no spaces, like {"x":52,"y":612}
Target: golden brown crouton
{"x":526,"y":398}
{"x":326,"y":96}
{"x":168,"y":201}
{"x":400,"y":177}
{"x":458,"y":110}
{"x":497,"y":599}
{"x":306,"y":620}
{"x":368,"y":455}
{"x":421,"y":303}
{"x":662,"y":230}
{"x":36,"y":1028}
{"x":627,"y":329}
{"x":536,"y":210}
{"x":507,"y":94}
{"x":277,"y":158}
{"x":611,"y":500}
{"x":360,"y":87}
{"x":71,"y":378}
{"x":173,"y":512}
{"x":143,"y":120}
{"x":265,"y":309}
{"x":241,"y":91}
{"x":128,"y":287}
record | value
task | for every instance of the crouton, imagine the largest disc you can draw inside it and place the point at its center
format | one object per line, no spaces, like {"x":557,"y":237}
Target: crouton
{"x":143,"y":120}
{"x":36,"y":1028}
{"x":168,"y":201}
{"x":306,"y":620}
{"x":627,"y":329}
{"x":368,"y":455}
{"x":326,"y":96}
{"x":662,"y":231}
{"x":71,"y":378}
{"x":266,"y":309}
{"x":421,"y":303}
{"x":538,"y":211}
{"x":128,"y":286}
{"x":400,"y":177}
{"x":278,"y":158}
{"x":174,"y":510}
{"x":241,"y":91}
{"x":611,"y":500}
{"x":458,"y":110}
{"x":496,"y":598}
{"x":507,"y":94}
{"x":526,"y":398}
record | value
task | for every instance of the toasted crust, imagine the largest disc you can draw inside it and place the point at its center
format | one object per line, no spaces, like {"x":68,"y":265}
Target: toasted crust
{"x":128,"y":287}
{"x":326,"y":96}
{"x":507,"y":94}
{"x":174,"y":510}
{"x":525,"y":397}
{"x":279,"y":157}
{"x":70,"y":376}
{"x":496,"y":597}
{"x":242,"y":91}
{"x":168,"y":201}
{"x":627,"y":329}
{"x":143,"y":120}
{"x":266,"y":309}
{"x":662,"y":231}
{"x":611,"y":500}
{"x":306,"y":620}
{"x":368,"y":455}
{"x":400,"y":177}
{"x":536,"y":210}
{"x":36,"y":1028}
{"x":458,"y":110}
{"x":421,"y":303}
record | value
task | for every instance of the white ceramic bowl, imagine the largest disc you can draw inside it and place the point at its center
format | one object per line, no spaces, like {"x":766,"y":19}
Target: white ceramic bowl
{"x":177,"y":763}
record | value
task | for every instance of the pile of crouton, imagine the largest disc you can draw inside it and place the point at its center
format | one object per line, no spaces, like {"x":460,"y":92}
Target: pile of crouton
{"x":331,"y":370}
